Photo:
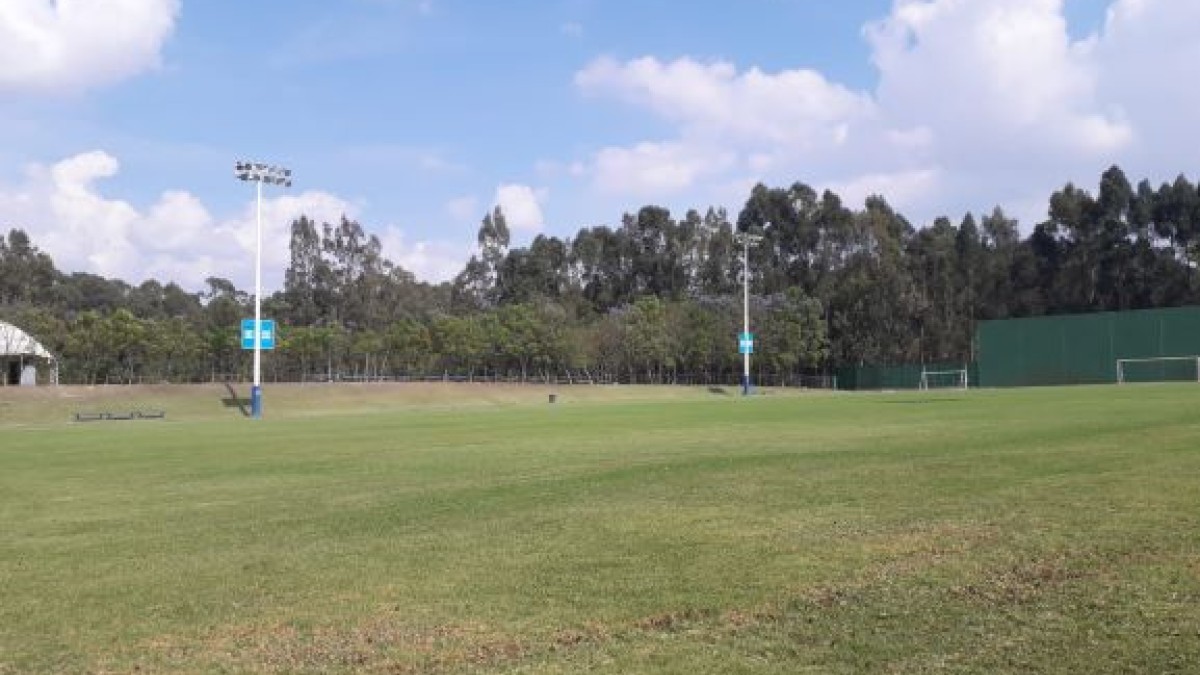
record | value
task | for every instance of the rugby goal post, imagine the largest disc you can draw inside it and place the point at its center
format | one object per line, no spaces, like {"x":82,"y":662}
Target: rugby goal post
{"x":943,"y":379}
{"x":1159,"y":369}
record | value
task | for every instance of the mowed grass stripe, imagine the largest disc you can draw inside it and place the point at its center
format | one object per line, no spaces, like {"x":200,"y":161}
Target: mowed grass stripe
{"x":193,"y":545}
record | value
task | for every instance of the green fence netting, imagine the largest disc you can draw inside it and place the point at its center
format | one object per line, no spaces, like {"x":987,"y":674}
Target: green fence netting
{"x":1085,"y":348}
{"x":902,"y":376}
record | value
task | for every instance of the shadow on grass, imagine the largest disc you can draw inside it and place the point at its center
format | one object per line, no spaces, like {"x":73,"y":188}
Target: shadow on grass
{"x":234,"y":401}
{"x":720,"y":391}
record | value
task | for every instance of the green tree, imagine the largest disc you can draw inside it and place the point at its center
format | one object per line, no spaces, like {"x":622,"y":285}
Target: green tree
{"x":367,"y":347}
{"x":304,"y":344}
{"x":173,"y":349}
{"x":540,"y":271}
{"x":308,"y":279}
{"x":945,"y":330}
{"x":461,"y":342}
{"x":27,"y":276}
{"x":511,"y":336}
{"x":708,"y":331}
{"x":478,"y":286}
{"x":719,"y":270}
{"x":601,"y":265}
{"x":84,"y":351}
{"x":792,"y":335}
{"x":123,"y":339}
{"x":410,"y":344}
{"x":649,"y":343}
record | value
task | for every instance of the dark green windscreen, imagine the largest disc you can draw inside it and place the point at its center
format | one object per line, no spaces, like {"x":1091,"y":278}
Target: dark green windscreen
{"x":905,"y":376}
{"x":1084,"y":348}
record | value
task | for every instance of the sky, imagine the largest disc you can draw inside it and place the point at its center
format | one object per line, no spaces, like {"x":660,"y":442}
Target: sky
{"x":121,"y":120}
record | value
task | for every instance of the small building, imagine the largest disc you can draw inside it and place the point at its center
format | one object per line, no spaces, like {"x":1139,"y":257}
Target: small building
{"x":20,"y":358}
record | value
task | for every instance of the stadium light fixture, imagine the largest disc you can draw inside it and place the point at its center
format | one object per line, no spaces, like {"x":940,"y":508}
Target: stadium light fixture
{"x":747,"y":239}
{"x":259,"y":173}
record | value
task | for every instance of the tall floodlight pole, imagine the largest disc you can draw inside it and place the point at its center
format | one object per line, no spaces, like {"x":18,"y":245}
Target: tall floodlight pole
{"x":259,"y":173}
{"x":746,"y":344}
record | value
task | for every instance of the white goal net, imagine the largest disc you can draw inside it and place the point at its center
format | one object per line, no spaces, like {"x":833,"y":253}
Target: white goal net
{"x":1159,"y":369}
{"x":944,"y":379}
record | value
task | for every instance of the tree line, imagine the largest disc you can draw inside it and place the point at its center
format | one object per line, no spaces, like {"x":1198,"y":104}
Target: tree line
{"x":656,"y":298}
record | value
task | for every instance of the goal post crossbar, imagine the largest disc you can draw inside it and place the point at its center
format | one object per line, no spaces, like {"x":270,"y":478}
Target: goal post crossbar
{"x":1121,"y":363}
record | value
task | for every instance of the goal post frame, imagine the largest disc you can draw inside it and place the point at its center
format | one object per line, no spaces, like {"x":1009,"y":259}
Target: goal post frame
{"x":963,"y":373}
{"x":1152,"y":359}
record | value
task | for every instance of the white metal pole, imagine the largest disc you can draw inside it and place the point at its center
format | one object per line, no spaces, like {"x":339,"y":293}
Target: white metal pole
{"x":745,"y":314}
{"x":256,"y":392}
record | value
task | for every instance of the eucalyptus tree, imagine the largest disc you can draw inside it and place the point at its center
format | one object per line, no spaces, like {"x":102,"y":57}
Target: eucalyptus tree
{"x":27,"y":275}
{"x":656,"y":247}
{"x":478,"y":287}
{"x":945,"y":330}
{"x":790,"y":254}
{"x":876,"y":308}
{"x":539,"y":271}
{"x":601,"y":265}
{"x":83,"y":291}
{"x":308,"y":280}
{"x":720,"y":266}
{"x":1176,"y":220}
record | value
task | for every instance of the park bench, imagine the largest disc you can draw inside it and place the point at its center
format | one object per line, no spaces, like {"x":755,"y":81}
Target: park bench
{"x":97,"y":416}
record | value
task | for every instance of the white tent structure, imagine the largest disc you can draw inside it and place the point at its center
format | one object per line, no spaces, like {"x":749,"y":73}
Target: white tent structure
{"x":19,"y":356}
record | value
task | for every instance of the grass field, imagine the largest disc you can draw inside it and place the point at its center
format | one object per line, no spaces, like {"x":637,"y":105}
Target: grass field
{"x":447,"y":528}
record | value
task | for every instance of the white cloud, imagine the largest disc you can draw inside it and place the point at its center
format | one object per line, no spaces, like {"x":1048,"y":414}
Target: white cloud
{"x":650,"y":169}
{"x":728,"y":121}
{"x":522,"y":206}
{"x":429,"y":261}
{"x":713,"y":99}
{"x":1001,"y":74}
{"x":74,"y":45}
{"x":174,"y":239}
{"x":1147,"y":55}
{"x":95,"y":231}
{"x":905,"y":187}
{"x":978,"y":103}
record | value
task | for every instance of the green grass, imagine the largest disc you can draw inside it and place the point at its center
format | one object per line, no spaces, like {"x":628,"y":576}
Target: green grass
{"x":476,"y":529}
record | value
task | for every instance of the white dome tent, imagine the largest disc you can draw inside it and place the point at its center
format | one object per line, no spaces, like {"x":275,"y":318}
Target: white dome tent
{"x":19,"y":356}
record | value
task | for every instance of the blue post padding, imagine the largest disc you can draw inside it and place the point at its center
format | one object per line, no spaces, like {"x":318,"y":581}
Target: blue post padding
{"x":256,"y":401}
{"x":745,"y":385}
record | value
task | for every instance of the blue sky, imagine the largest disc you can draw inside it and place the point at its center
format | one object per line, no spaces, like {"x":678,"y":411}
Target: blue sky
{"x":120,"y":121}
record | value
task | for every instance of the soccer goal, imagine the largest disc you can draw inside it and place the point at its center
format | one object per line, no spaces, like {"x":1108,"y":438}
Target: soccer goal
{"x":1159,"y":369}
{"x":944,"y":379}
{"x":812,"y":381}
